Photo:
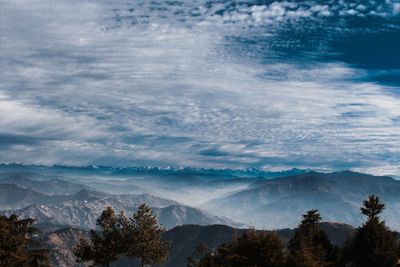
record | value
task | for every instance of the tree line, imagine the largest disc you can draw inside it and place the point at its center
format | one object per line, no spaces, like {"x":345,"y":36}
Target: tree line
{"x":138,"y":239}
{"x":19,"y":245}
{"x":372,"y":245}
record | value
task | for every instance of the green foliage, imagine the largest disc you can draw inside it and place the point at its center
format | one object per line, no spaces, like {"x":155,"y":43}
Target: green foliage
{"x":372,"y":207}
{"x":310,"y":245}
{"x":144,"y":237}
{"x":251,"y":249}
{"x":201,"y":257}
{"x":373,"y":245}
{"x":137,"y":237}
{"x":105,"y":246}
{"x":19,"y":245}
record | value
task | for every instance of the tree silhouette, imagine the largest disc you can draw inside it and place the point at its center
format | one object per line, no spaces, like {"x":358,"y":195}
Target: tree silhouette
{"x":105,"y":246}
{"x":249,"y":250}
{"x":373,"y":245}
{"x":137,"y":237}
{"x":201,"y":257}
{"x":310,"y":245}
{"x":253,"y":249}
{"x":19,"y":245}
{"x":372,"y":207}
{"x":143,"y":235}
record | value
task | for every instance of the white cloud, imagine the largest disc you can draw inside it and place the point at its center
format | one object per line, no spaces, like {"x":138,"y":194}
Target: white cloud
{"x":167,"y":90}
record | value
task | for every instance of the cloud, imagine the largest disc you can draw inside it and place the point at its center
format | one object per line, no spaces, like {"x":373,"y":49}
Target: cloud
{"x":151,"y":83}
{"x":8,"y":140}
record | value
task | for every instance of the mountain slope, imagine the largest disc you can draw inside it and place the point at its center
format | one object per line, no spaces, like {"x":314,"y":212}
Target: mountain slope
{"x":84,"y":214}
{"x":180,"y":215}
{"x":49,"y":187}
{"x":280,"y":202}
{"x":14,"y":197}
{"x":190,"y":186}
{"x":61,"y":244}
{"x":83,"y":208}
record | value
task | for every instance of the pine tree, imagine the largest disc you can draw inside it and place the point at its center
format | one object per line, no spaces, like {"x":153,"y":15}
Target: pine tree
{"x":253,"y":249}
{"x":19,"y":245}
{"x":244,"y":251}
{"x":249,"y":250}
{"x":143,"y":235}
{"x":310,"y":245}
{"x":105,"y":246}
{"x":372,"y":207}
{"x":272,"y":250}
{"x":373,"y":245}
{"x":201,"y":257}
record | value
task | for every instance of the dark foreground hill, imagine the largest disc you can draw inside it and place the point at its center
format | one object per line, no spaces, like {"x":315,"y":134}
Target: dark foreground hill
{"x":183,"y":238}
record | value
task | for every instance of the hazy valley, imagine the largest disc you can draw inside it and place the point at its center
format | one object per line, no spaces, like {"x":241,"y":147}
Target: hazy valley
{"x":76,"y":196}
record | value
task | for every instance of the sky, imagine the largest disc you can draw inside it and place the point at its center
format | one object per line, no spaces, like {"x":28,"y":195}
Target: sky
{"x":213,"y":84}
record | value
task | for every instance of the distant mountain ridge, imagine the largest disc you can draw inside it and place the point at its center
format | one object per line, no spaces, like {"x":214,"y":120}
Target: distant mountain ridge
{"x":251,"y":172}
{"x":281,"y":201}
{"x":190,"y":186}
{"x":264,"y":202}
{"x":14,"y":197}
{"x":84,"y":207}
{"x":49,"y":187}
{"x":84,"y":214}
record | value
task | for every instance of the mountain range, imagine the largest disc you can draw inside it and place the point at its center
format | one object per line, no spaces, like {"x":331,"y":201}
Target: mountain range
{"x":82,"y":209}
{"x":280,"y":202}
{"x":74,"y":196}
{"x":193,"y":205}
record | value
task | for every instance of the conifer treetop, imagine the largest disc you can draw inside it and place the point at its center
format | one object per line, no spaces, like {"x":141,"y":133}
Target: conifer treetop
{"x":372,"y":207}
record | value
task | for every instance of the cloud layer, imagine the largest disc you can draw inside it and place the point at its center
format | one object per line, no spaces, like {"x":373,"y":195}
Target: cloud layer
{"x":202,"y":84}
